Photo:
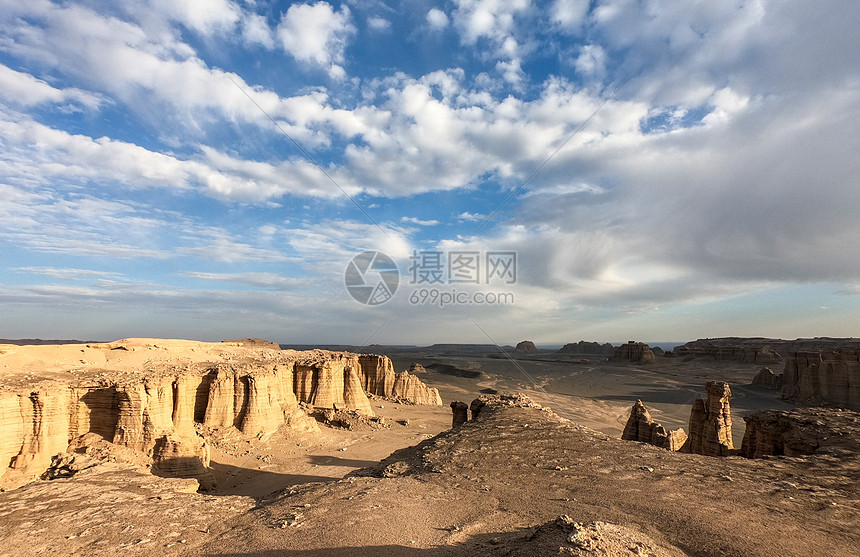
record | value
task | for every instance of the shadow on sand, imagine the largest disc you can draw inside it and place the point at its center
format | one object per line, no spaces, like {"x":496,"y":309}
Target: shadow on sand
{"x":235,"y":480}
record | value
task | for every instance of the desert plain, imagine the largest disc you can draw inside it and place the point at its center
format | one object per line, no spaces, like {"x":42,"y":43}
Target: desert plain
{"x":541,"y":471}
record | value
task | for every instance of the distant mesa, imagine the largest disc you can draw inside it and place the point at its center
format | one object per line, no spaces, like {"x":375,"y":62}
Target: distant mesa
{"x":584,"y":348}
{"x":417,"y":368}
{"x":254,"y":342}
{"x":526,"y":347}
{"x":637,"y":352}
{"x":754,"y":351}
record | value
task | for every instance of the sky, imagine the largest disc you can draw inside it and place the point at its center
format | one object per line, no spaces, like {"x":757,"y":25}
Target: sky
{"x":416,"y":172}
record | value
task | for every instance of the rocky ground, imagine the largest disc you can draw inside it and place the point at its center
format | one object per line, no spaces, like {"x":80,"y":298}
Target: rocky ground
{"x":518,"y":481}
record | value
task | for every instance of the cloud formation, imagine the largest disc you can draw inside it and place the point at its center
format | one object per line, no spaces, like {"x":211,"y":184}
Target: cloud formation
{"x":207,"y":151}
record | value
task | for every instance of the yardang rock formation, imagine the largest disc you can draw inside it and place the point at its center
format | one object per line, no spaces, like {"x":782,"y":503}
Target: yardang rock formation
{"x":149,"y":395}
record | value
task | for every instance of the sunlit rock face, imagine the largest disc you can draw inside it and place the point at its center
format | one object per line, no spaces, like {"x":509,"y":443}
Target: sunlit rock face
{"x":138,"y":398}
{"x":711,"y":422}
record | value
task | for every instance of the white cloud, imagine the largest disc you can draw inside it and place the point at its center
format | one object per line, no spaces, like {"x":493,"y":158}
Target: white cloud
{"x":256,"y":30}
{"x":204,"y":16}
{"x":25,"y":90}
{"x":474,"y":217}
{"x":591,"y":60}
{"x":378,"y":23}
{"x":419,"y":222}
{"x":492,"y":19}
{"x":570,"y":15}
{"x":495,"y":21}
{"x":71,"y":274}
{"x":260,"y":280}
{"x":316,"y":33}
{"x":437,"y":19}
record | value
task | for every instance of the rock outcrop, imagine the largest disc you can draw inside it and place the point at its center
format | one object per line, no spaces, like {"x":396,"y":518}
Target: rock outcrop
{"x":711,"y":422}
{"x":526,"y":347}
{"x":459,"y":413}
{"x":802,"y":431}
{"x":637,"y":352}
{"x":641,"y":427}
{"x":582,"y":348}
{"x":137,"y":399}
{"x":376,"y":374}
{"x":411,"y":389}
{"x":830,"y":378}
{"x":768,"y":379}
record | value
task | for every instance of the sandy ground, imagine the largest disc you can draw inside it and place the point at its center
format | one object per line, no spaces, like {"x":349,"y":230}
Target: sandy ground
{"x":257,"y":467}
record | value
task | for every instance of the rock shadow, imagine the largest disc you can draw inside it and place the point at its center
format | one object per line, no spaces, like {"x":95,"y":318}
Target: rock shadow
{"x":250,"y":482}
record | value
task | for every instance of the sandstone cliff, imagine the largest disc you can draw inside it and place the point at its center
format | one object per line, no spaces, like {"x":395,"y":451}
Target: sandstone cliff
{"x":711,"y":422}
{"x":376,"y":374}
{"x":637,"y":352}
{"x":135,"y":395}
{"x":411,"y":389}
{"x":641,"y":427}
{"x":831,"y":378}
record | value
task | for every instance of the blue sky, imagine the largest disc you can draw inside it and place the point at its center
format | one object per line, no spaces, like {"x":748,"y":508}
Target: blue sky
{"x":208,"y":168}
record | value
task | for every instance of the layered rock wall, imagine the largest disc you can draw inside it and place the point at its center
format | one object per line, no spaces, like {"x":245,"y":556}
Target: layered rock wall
{"x":831,"y":378}
{"x":158,"y":414}
{"x":377,"y":374}
{"x":412,"y":389}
